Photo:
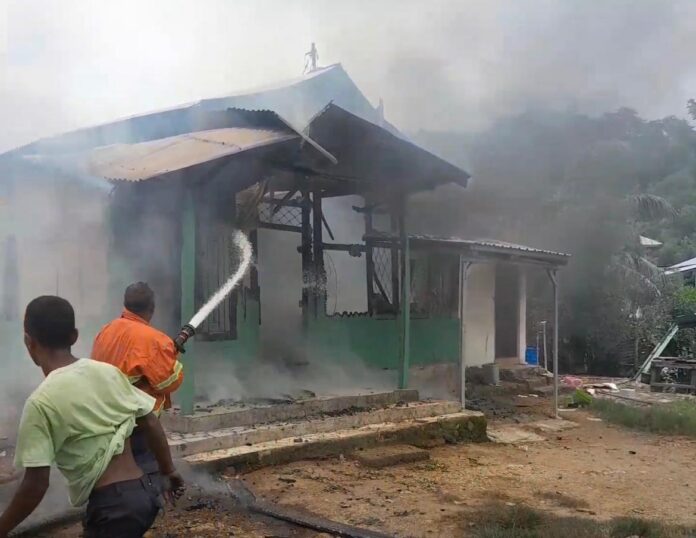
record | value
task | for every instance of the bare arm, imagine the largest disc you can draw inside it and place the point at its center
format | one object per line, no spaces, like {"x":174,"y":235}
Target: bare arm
{"x":27,"y":497}
{"x":157,"y":441}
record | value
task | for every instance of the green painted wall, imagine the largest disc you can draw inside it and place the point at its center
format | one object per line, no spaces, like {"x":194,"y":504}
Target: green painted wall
{"x":376,"y":341}
{"x":245,"y":348}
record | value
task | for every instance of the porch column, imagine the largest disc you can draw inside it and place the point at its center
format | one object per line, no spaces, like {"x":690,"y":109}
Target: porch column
{"x":553,"y":276}
{"x":188,"y":303}
{"x":307,"y":265}
{"x":464,"y":267}
{"x":319,"y":299}
{"x":405,"y":311}
{"x":522,"y":315}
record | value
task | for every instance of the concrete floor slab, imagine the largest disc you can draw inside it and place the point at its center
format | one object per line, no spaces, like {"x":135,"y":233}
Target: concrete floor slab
{"x":188,"y":444}
{"x":217,"y":417}
{"x":455,"y":427}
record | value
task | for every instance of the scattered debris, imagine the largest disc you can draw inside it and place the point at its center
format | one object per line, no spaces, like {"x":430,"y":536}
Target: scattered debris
{"x":572,"y":381}
{"x":512,"y":435}
{"x":552,"y":425}
{"x":386,"y":456}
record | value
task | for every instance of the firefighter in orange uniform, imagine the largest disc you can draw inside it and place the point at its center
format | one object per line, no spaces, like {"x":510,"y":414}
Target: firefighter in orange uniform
{"x":147,"y":356}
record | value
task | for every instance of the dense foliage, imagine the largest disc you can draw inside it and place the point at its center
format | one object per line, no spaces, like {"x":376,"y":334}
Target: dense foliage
{"x":588,"y":186}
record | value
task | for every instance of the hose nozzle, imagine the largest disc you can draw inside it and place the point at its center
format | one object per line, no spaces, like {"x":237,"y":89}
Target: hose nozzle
{"x":186,"y":332}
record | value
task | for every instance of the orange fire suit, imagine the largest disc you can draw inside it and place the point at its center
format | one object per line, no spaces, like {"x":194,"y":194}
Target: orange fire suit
{"x":147,"y":356}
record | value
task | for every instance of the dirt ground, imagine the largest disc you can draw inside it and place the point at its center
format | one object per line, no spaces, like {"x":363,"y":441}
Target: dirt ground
{"x":593,"y":471}
{"x":596,"y":470}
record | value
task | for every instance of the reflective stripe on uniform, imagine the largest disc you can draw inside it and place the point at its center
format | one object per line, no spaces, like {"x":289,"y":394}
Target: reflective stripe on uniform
{"x":178,"y":367}
{"x":158,"y":409}
{"x":134,"y":379}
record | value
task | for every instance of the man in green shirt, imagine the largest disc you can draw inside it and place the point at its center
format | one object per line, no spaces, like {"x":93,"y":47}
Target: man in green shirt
{"x":81,"y":418}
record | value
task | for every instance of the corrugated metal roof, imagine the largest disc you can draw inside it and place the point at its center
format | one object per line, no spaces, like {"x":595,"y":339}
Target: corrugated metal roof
{"x":480,"y":246}
{"x":681,"y":267}
{"x":297,"y":100}
{"x":212,"y":136}
{"x":136,"y":162}
{"x":649,"y":243}
{"x":368,"y":152}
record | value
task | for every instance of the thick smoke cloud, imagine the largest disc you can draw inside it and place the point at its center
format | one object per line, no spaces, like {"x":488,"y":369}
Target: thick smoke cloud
{"x":438,"y":64}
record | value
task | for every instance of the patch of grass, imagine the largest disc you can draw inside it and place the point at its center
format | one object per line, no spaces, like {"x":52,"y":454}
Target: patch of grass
{"x":643,"y":528}
{"x":676,"y":418}
{"x":502,"y":521}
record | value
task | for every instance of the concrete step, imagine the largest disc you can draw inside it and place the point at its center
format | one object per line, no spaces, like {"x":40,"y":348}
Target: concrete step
{"x":193,"y":443}
{"x":463,"y":426}
{"x":232,"y":416}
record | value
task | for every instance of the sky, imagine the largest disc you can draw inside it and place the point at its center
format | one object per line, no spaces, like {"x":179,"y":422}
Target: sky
{"x":438,"y":64}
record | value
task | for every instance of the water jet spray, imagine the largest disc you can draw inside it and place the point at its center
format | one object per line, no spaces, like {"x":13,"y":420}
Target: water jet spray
{"x":189,"y":329}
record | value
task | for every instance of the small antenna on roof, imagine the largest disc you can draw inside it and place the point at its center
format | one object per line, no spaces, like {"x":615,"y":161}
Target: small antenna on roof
{"x":311,"y":59}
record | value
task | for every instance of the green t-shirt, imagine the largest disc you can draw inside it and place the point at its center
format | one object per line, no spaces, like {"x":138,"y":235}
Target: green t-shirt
{"x":79,"y":417}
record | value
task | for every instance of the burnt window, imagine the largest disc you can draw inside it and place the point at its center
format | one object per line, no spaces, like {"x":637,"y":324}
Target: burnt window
{"x":216,"y":259}
{"x":434,"y":285}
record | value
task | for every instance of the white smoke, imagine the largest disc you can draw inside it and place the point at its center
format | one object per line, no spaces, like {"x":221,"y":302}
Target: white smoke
{"x":437,"y":64}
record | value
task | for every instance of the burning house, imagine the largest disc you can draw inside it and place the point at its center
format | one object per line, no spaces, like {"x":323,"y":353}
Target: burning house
{"x":158,"y":198}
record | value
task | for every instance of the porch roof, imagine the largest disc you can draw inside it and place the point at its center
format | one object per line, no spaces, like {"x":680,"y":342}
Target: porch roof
{"x":477,"y":249}
{"x":371,"y":157}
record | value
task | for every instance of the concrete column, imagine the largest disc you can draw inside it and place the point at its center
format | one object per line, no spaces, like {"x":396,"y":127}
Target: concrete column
{"x":522,"y":315}
{"x":405,"y":311}
{"x":187,"y":391}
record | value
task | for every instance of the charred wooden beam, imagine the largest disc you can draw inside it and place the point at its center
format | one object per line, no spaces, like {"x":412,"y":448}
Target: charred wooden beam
{"x":319,"y":276}
{"x":280,"y":227}
{"x":369,"y":261}
{"x":283,"y":201}
{"x":381,"y":289}
{"x":395,"y":259}
{"x":326,"y":225}
{"x":354,"y":249}
{"x":306,"y":245}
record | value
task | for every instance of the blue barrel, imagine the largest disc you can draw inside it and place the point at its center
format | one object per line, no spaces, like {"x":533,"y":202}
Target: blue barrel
{"x":531,"y":356}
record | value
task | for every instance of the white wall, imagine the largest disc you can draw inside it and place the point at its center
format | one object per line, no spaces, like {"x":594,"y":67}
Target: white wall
{"x":522,"y":316}
{"x":480,"y":315}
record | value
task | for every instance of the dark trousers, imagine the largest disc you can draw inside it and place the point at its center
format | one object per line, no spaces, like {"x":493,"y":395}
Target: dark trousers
{"x":122,"y":510}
